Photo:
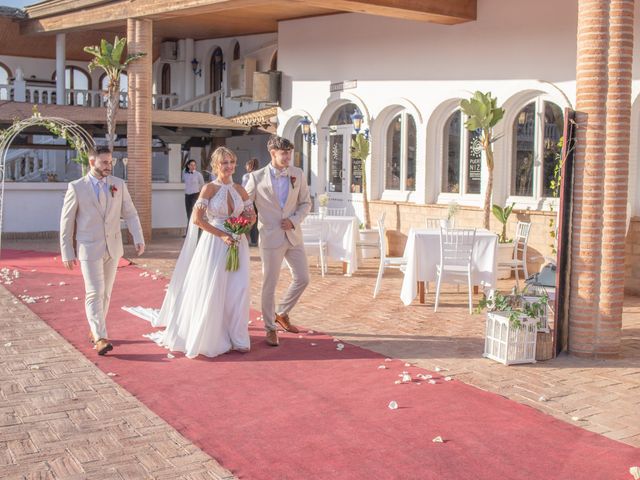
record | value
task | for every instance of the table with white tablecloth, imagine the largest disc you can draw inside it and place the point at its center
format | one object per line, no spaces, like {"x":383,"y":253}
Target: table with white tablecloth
{"x":341,"y":235}
{"x":422,"y":254}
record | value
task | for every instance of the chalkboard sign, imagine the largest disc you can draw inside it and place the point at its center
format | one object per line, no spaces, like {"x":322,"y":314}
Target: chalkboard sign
{"x":335,"y":163}
{"x":474,"y":171}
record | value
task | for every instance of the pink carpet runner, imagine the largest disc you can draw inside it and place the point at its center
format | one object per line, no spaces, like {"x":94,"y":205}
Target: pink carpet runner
{"x":308,"y":411}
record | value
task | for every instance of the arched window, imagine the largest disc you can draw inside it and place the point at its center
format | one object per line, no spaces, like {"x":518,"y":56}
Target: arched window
{"x":537,"y":130}
{"x":342,"y":116}
{"x":78,"y":81}
{"x":165,"y":87}
{"x":5,"y":74}
{"x":236,"y":51}
{"x":462,"y":158}
{"x":400,"y":158}
{"x":302,"y":153}
{"x":215,"y":71}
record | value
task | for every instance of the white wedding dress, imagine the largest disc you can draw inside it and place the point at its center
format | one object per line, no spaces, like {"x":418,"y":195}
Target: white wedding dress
{"x":206,"y":308}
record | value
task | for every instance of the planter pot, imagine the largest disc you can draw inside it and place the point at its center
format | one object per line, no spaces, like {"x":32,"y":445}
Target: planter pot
{"x":544,"y":346}
{"x":322,"y":211}
{"x":368,"y":246}
{"x":505,"y":254}
{"x":506,"y":344}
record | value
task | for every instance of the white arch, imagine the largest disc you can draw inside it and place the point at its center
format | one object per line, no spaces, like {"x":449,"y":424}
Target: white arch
{"x":504,"y":146}
{"x":435,"y":143}
{"x":378,"y":147}
{"x":73,"y":133}
{"x":287,"y":126}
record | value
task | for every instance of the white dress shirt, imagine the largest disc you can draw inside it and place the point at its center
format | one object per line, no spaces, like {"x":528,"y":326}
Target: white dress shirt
{"x":193,"y":182}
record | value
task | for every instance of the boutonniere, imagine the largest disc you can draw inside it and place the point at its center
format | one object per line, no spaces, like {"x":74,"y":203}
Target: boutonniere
{"x":293,"y":181}
{"x":113,"y":190}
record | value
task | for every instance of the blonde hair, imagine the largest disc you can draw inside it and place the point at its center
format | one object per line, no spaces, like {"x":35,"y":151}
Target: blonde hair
{"x":218,"y":155}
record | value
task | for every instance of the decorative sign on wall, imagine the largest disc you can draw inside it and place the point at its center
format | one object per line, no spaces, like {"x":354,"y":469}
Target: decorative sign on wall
{"x":341,"y":86}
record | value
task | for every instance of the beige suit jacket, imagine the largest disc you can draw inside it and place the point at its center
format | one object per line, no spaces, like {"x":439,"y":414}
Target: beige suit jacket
{"x":95,"y":232}
{"x":270,"y":214}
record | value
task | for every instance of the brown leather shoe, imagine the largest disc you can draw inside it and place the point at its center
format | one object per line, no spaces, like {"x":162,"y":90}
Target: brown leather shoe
{"x":103,"y":346}
{"x":283,"y":321}
{"x":272,"y":338}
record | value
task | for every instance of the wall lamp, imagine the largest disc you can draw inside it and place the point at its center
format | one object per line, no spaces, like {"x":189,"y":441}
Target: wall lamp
{"x":195,"y":65}
{"x":356,"y":119}
{"x":309,"y":137}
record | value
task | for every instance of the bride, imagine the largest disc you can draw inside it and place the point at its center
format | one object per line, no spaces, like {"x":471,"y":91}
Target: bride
{"x":206,"y":308}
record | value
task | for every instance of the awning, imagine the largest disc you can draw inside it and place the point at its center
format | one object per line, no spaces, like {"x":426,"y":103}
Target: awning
{"x":10,"y":111}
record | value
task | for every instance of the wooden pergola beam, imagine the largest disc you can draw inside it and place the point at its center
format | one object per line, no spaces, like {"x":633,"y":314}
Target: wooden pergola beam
{"x":63,"y":17}
{"x":447,"y":12}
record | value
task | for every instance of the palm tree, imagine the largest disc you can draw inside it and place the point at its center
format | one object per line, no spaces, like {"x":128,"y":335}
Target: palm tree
{"x":360,"y":150}
{"x":108,"y":57}
{"x":483,"y":114}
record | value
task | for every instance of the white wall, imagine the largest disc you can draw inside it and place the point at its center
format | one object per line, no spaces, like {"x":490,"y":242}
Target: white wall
{"x":517,"y":49}
{"x":36,"y":207}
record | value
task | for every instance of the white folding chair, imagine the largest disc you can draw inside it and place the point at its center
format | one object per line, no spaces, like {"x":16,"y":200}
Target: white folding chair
{"x":519,"y":260}
{"x":456,"y":251}
{"x":385,"y":262}
{"x":337,"y":212}
{"x":313,"y":239}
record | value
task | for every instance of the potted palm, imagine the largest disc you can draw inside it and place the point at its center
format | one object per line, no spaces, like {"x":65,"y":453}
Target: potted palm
{"x":505,"y":244}
{"x":108,"y":57}
{"x":483,"y":114}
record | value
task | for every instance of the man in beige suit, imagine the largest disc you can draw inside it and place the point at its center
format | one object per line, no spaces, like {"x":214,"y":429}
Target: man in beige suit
{"x":281,"y":195}
{"x":93,"y":206}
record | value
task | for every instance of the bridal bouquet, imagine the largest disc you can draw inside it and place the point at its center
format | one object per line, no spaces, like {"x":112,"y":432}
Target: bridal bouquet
{"x":236,"y":226}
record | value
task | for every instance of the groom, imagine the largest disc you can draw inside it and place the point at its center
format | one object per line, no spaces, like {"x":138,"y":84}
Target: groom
{"x":93,"y":206}
{"x":281,"y":196}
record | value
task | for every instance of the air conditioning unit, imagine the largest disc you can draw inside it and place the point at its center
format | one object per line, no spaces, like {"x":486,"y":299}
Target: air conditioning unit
{"x":266,"y":87}
{"x":168,"y":51}
{"x":241,"y":77}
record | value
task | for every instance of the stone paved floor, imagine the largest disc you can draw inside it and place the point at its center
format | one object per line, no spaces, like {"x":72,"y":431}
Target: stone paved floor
{"x":43,"y":426}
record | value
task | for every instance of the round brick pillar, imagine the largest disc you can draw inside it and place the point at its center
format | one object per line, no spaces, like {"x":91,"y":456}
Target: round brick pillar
{"x":603,"y":114}
{"x":140,"y":39}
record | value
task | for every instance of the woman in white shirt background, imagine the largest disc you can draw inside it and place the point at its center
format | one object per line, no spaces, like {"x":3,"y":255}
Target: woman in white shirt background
{"x":250,"y":166}
{"x":193,"y":183}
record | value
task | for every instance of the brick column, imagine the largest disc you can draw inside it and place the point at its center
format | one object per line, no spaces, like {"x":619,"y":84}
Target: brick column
{"x":603,"y":104}
{"x":140,"y":39}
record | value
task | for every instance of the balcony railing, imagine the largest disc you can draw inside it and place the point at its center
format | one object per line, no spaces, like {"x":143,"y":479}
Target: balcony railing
{"x":46,"y":95}
{"x":209,"y":103}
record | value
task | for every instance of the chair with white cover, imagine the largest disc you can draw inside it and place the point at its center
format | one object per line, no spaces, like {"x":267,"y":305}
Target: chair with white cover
{"x":336,"y":211}
{"x":519,"y":260}
{"x":385,"y":261}
{"x":313,"y":239}
{"x":373,"y":244}
{"x":456,"y":251}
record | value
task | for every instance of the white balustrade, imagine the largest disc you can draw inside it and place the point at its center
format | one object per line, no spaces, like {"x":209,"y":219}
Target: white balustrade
{"x":209,"y":103}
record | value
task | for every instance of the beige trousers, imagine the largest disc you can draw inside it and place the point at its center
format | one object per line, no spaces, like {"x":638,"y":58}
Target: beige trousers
{"x":271,"y":266}
{"x":99,"y":276}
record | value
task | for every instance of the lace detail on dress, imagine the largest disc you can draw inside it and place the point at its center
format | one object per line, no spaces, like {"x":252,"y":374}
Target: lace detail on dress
{"x":219,"y":204}
{"x":201,"y":204}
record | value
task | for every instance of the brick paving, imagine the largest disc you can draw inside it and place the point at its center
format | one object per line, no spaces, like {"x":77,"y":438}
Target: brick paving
{"x":48,"y":425}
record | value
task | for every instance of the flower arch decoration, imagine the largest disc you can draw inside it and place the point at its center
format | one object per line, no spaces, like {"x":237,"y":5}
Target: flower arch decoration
{"x":75,"y":136}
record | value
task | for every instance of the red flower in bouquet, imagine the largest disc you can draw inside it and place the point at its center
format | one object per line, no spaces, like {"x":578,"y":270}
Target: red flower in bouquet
{"x":236,"y":226}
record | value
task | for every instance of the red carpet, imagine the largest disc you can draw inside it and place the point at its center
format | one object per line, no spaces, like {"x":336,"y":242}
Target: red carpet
{"x":312,"y":412}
